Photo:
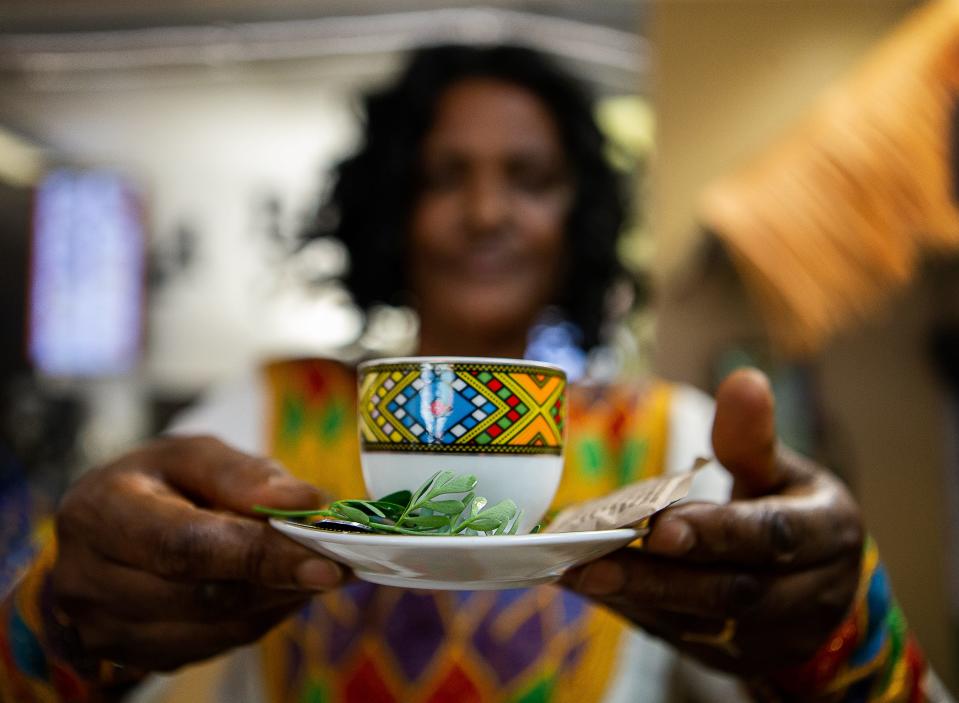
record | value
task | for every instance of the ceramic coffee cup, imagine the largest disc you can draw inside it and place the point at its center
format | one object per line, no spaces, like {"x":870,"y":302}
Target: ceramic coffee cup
{"x":499,"y":419}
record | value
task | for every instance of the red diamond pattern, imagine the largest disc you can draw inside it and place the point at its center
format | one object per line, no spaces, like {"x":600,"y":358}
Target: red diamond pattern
{"x":366,"y":685}
{"x":455,"y":687}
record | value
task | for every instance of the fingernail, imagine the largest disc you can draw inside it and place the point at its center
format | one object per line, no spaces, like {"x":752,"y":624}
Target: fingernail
{"x":318,"y":574}
{"x":602,"y":578}
{"x":671,"y":538}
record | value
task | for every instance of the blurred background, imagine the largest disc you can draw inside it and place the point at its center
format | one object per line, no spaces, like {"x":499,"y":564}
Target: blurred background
{"x":159,"y":162}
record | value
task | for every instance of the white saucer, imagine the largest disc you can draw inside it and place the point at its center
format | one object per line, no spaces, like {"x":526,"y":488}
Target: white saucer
{"x":459,"y":563}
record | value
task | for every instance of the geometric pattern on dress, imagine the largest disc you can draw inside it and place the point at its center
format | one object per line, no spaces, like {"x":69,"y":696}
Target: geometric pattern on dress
{"x":375,"y":644}
{"x":473,"y":408}
{"x":17,"y":544}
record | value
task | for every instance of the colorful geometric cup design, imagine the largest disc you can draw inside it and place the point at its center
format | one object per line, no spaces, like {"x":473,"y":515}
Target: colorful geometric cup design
{"x":470,"y":406}
{"x":502,"y":420}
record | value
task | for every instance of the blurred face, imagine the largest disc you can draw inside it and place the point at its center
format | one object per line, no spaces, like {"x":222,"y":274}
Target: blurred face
{"x":487,"y":235}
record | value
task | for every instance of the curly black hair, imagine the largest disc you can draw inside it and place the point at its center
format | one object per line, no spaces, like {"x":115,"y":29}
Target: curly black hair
{"x":375,"y":189}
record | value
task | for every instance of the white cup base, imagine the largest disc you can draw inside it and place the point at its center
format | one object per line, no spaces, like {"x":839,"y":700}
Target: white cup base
{"x":529,"y":480}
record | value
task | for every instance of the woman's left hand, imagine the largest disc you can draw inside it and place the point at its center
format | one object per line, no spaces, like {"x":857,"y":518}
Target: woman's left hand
{"x":754,"y":585}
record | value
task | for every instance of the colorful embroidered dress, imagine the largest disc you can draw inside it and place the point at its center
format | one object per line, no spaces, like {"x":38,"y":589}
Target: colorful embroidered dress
{"x":368,"y":643}
{"x":374,"y":644}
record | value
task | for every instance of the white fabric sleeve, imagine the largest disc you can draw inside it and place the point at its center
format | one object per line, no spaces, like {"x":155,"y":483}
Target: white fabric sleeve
{"x":233,"y":412}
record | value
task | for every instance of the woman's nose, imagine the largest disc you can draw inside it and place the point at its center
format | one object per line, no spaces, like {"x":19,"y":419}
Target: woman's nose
{"x":487,"y":205}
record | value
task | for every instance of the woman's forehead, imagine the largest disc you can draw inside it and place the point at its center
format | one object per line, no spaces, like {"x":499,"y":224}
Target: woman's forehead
{"x":487,"y":113}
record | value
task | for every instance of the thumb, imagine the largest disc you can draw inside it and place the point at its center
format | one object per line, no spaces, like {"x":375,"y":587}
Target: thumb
{"x":744,"y":432}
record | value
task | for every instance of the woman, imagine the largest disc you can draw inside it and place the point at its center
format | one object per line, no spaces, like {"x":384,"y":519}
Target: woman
{"x":480,"y":197}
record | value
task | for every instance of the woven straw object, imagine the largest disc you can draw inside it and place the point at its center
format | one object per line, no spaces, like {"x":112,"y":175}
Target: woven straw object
{"x":838,"y":214}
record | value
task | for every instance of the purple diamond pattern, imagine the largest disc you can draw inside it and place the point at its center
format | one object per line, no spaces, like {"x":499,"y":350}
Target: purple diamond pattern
{"x":342,"y":640}
{"x":573,"y":607}
{"x":414,"y":632}
{"x":294,"y":664}
{"x":509,"y":658}
{"x":573,"y":654}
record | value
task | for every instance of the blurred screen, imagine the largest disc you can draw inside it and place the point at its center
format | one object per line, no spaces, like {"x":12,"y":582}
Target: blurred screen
{"x":86,"y":302}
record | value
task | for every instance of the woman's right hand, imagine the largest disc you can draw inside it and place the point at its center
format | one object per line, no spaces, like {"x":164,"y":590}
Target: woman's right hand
{"x":161,"y":563}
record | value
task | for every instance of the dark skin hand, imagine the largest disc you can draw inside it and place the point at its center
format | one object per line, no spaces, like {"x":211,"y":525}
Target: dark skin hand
{"x":782,"y":557}
{"x":160,"y":562}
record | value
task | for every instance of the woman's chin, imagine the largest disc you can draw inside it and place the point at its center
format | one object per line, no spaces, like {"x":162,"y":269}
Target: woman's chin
{"x":480,"y":328}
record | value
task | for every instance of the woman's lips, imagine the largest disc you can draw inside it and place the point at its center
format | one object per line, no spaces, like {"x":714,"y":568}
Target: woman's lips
{"x":484,"y":265}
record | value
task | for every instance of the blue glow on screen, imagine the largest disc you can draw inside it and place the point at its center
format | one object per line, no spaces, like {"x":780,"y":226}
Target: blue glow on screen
{"x":87,"y":271}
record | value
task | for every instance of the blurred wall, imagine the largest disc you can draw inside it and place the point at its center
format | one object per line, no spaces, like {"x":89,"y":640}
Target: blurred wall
{"x":224,"y":157}
{"x":883,"y":401}
{"x":731,"y":75}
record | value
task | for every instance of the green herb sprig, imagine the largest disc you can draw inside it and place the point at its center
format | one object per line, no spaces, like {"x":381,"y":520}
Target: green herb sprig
{"x":432,"y":509}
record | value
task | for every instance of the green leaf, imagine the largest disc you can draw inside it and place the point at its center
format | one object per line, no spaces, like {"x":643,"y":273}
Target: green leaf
{"x":453,"y":484}
{"x":536,"y":528}
{"x":504,"y":510}
{"x":400,"y":498}
{"x":366,"y":506}
{"x":423,"y":531}
{"x":437,"y":488}
{"x":276,"y":512}
{"x":350,"y":513}
{"x":418,"y":513}
{"x":390,"y":510}
{"x":421,"y":491}
{"x":480,"y":524}
{"x":431,"y":521}
{"x":445,"y":507}
{"x":495,"y":515}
